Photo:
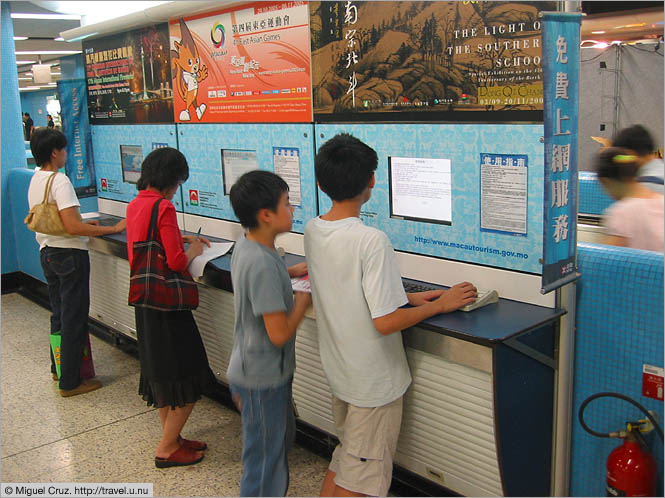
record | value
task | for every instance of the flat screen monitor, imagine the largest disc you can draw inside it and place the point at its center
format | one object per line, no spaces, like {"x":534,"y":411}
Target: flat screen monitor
{"x":420,"y":189}
{"x":235,"y":163}
{"x":131,"y":158}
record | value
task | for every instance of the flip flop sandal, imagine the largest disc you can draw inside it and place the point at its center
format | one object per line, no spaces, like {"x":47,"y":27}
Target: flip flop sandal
{"x":194,"y":445}
{"x":179,"y":458}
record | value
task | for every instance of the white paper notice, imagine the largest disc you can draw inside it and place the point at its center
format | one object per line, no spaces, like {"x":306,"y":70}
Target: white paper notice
{"x":503,"y":191}
{"x":286,"y":161}
{"x":235,"y":163}
{"x":215,"y":250}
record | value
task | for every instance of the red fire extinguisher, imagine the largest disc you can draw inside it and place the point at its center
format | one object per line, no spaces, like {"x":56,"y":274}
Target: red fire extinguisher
{"x":631,"y":469}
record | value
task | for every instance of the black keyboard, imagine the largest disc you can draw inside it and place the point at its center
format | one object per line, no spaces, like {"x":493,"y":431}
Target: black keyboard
{"x":411,"y":287}
{"x":108,"y":222}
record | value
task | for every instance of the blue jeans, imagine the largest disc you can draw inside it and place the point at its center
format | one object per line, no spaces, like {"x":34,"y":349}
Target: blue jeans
{"x":67,"y":273}
{"x":268,"y":432}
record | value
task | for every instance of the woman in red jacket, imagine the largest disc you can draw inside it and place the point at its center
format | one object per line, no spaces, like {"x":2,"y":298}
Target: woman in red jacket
{"x":174,"y":365}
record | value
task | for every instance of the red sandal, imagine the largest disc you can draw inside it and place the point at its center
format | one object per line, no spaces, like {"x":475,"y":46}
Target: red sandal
{"x":179,"y":458}
{"x":194,"y":445}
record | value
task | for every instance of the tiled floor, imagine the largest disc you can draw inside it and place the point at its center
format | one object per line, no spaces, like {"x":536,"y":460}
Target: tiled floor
{"x":109,"y":435}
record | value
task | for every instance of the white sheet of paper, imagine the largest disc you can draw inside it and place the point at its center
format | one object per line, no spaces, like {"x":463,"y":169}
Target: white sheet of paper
{"x":301,"y":284}
{"x":215,"y":250}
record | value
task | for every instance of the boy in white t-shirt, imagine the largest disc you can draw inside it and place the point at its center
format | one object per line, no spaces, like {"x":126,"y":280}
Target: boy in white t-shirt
{"x":358,"y":298}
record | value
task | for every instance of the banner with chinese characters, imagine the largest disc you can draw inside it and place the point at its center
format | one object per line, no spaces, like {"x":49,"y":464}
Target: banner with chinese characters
{"x":80,"y":164}
{"x":244,"y":64}
{"x":561,"y":63}
{"x":417,"y":61}
{"x":128,"y":76}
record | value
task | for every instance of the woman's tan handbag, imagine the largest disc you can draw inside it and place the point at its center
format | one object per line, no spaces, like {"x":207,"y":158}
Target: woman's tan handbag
{"x":45,"y":217}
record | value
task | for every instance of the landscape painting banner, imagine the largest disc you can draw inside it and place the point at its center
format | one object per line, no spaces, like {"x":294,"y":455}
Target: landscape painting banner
{"x":456,"y":61}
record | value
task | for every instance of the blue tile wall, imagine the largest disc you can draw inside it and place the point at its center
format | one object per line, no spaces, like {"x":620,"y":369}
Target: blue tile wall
{"x":106,"y":142}
{"x":463,"y":145}
{"x":592,"y":196}
{"x":28,"y":253}
{"x":13,"y":147}
{"x":619,"y":328}
{"x":202,"y":145}
{"x":35,"y":104}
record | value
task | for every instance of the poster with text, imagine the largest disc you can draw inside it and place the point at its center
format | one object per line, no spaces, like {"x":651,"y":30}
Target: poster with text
{"x":80,"y":166}
{"x":128,"y":77}
{"x":464,"y":61}
{"x":246,"y":64}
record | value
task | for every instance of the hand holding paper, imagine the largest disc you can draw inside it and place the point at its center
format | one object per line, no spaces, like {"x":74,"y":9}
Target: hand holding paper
{"x":215,"y":250}
{"x":301,"y":284}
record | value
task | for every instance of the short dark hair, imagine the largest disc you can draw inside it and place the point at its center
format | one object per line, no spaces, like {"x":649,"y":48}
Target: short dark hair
{"x":44,"y":141}
{"x":636,"y":138}
{"x":27,"y":114}
{"x":344,"y":166}
{"x":616,"y":163}
{"x":162,"y":169}
{"x":253,"y":191}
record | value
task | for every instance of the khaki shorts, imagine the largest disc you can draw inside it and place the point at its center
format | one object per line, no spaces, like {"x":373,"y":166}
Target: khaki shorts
{"x":363,"y":460}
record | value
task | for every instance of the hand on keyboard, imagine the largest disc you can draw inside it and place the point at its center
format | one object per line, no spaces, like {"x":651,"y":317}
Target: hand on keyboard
{"x":484,"y":297}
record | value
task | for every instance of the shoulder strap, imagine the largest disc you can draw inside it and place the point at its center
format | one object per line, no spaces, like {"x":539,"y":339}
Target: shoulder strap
{"x":152,"y":229}
{"x":650,"y":179}
{"x":47,"y":190}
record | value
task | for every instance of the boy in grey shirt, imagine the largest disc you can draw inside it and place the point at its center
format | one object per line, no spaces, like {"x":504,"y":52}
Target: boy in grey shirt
{"x":263,"y":357}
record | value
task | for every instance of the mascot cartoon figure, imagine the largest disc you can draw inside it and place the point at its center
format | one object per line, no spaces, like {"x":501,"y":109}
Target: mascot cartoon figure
{"x":189,"y":72}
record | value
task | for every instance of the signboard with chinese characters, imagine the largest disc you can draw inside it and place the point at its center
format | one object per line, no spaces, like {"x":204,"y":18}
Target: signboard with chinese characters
{"x":561,"y":41}
{"x":411,"y":61}
{"x":128,"y":77}
{"x":243,"y":64}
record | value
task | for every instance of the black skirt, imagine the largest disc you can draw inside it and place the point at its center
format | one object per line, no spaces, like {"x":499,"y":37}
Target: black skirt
{"x":174,"y":364}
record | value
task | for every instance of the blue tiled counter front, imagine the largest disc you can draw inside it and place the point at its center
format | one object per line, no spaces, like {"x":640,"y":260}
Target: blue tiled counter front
{"x":619,"y":329}
{"x":592,"y":196}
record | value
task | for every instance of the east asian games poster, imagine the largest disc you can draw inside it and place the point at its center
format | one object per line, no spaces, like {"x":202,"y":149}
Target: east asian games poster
{"x":247,"y":64}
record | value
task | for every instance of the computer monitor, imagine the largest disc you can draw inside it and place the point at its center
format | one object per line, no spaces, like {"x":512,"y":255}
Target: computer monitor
{"x":420,"y":189}
{"x":235,"y":163}
{"x":131,"y":158}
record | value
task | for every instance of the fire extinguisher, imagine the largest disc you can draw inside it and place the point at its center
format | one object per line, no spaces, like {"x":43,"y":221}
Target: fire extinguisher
{"x":631,"y":469}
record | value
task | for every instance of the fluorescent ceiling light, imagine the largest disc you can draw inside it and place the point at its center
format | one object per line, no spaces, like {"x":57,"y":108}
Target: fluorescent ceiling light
{"x":48,"y":52}
{"x":100,"y":11}
{"x":62,"y":17}
{"x":25,"y":62}
{"x":20,"y":38}
{"x":25,"y":79}
{"x":83,"y":37}
{"x":598,"y":32}
{"x":59,"y":38}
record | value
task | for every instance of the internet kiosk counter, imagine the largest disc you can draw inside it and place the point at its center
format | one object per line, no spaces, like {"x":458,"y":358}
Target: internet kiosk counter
{"x":478,"y":417}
